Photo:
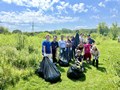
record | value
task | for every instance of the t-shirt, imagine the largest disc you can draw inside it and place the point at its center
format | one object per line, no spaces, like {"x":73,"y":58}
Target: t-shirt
{"x":81,"y":39}
{"x":91,"y":40}
{"x":72,"y":42}
{"x":54,"y":45}
{"x":69,"y":44}
{"x":47,"y":45}
{"x":62,"y":44}
{"x":87,"y":48}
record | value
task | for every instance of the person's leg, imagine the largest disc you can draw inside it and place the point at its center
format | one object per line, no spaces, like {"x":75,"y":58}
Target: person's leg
{"x":89,"y":56}
{"x":81,"y":66}
{"x":64,"y":52}
{"x":54,"y":55}
{"x":61,"y":52}
{"x":97,"y":63}
{"x":50,"y":57}
{"x":93,"y":62}
{"x":67,"y":54}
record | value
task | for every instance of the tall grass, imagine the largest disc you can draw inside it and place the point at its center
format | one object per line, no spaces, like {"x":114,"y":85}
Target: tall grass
{"x":20,"y":56}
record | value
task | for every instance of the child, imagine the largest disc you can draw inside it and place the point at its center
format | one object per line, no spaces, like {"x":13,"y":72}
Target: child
{"x":95,"y":53}
{"x":80,"y":47}
{"x":87,"y":54}
{"x":79,"y":59}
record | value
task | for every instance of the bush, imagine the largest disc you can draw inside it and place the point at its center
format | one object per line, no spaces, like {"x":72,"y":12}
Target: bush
{"x":21,"y":40}
{"x":7,"y":76}
{"x":31,"y":48}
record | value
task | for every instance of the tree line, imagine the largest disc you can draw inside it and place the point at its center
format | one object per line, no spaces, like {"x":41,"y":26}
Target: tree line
{"x":113,"y":31}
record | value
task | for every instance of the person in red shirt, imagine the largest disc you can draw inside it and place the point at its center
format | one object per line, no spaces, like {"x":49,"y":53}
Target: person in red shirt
{"x":87,"y":53}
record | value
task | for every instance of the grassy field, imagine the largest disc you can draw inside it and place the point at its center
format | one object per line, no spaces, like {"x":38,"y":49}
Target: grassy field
{"x":17,"y":66}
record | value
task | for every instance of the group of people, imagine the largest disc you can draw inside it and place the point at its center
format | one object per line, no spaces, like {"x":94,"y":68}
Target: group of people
{"x":84,"y":50}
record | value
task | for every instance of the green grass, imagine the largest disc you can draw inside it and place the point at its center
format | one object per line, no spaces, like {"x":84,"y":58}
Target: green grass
{"x":103,"y":78}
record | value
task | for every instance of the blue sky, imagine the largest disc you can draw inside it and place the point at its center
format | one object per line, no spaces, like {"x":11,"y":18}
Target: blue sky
{"x":58,"y":14}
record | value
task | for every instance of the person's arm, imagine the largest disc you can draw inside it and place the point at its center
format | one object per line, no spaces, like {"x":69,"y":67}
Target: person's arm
{"x":98,"y":54}
{"x":59,"y":43}
{"x":44,"y":48}
{"x":51,"y":47}
{"x":93,"y":42}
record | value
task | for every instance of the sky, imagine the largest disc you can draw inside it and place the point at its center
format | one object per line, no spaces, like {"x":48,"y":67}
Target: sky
{"x":50,"y":15}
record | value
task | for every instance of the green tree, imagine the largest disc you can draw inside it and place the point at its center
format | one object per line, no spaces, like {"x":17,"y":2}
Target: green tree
{"x":17,"y":31}
{"x":114,"y":30}
{"x":3,"y":30}
{"x":103,"y":29}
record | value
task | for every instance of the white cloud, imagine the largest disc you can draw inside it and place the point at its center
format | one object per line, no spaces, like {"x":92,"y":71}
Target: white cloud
{"x":41,"y":4}
{"x":26,"y":17}
{"x":62,"y":7}
{"x":79,"y":7}
{"x":95,"y":17}
{"x":80,"y":27}
{"x":93,"y":8}
{"x":101,"y":4}
{"x":112,"y":0}
{"x":113,"y":16}
{"x":114,"y":12}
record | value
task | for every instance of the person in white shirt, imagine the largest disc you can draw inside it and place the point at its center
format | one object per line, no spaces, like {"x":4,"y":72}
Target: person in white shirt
{"x":62,"y":46}
{"x":81,"y":38}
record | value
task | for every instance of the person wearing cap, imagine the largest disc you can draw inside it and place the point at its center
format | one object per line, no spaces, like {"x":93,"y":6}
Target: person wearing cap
{"x":46,"y":48}
{"x":54,"y":45}
{"x":90,"y":40}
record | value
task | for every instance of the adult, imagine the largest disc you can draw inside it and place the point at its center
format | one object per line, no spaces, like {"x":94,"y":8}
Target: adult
{"x":54,"y":45}
{"x":81,"y":38}
{"x":73,"y":47}
{"x":68,"y":48}
{"x":77,"y":41}
{"x":46,"y":48}
{"x":62,"y":46}
{"x":90,"y":40}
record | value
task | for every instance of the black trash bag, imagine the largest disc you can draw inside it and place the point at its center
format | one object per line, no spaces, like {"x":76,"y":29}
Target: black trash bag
{"x":49,"y":71}
{"x":74,"y":72}
{"x":63,"y":62}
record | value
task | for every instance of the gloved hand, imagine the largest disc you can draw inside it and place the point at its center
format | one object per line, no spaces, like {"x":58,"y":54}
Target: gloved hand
{"x":45,"y":54}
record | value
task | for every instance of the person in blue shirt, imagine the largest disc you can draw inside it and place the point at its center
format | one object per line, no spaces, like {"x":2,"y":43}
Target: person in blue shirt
{"x":46,"y":47}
